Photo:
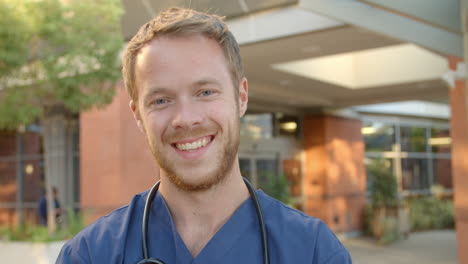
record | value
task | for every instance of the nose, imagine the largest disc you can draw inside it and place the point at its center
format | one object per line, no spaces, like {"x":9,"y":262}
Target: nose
{"x":187,"y":116}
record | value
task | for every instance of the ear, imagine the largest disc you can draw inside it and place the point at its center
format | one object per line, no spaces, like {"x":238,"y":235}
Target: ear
{"x":136,"y":115}
{"x":243,"y":96}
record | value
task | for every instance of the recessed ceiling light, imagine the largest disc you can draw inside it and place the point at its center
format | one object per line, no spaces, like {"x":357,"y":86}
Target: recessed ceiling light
{"x":440,"y":141}
{"x":368,"y":130}
{"x":289,"y":126}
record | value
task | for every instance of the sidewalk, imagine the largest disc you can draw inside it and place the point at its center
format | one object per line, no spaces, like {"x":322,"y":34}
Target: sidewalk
{"x":28,"y":252}
{"x":424,"y":247}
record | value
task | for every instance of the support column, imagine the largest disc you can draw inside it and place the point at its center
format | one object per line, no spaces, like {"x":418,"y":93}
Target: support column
{"x":53,"y":127}
{"x":335,"y":179}
{"x":459,"y":133}
{"x":67,"y":194}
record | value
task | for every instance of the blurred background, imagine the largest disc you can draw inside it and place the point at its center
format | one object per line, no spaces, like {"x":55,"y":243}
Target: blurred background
{"x":357,"y":115}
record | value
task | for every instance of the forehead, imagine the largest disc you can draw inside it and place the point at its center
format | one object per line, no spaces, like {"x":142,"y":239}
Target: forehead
{"x":187,"y":56}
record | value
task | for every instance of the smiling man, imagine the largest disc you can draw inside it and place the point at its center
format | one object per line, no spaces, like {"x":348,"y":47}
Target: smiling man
{"x":184,"y":74}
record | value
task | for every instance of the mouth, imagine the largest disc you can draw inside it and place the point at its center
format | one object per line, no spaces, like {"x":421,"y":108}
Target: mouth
{"x":193,"y":145}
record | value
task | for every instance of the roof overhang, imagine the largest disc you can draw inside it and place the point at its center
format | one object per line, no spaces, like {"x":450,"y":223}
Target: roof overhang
{"x":309,"y":54}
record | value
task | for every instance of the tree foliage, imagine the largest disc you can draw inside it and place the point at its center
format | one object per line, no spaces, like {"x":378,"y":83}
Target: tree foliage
{"x":14,"y":36}
{"x":56,"y":52}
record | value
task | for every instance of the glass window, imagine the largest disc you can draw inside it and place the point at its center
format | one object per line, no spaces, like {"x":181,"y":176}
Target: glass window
{"x":32,"y":143}
{"x":266,"y":168}
{"x":76,"y":166}
{"x":413,"y":139}
{"x":7,"y":144}
{"x":33,"y":172}
{"x":442,"y":171}
{"x":31,"y":164}
{"x":257,"y":126}
{"x":414,"y":174}
{"x":245,"y":169}
{"x":440,"y":140}
{"x":7,"y":180}
{"x":378,"y":137}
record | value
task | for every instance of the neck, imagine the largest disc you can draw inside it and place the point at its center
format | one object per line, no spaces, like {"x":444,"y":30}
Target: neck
{"x":199,"y":215}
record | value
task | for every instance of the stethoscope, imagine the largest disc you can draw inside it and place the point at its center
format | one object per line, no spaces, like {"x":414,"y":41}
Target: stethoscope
{"x":146,"y":213}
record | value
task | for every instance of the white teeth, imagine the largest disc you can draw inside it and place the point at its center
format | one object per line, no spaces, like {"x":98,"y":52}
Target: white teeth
{"x":194,"y":145}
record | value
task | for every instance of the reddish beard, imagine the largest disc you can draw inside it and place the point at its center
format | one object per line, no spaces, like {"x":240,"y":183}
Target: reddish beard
{"x":224,"y":163}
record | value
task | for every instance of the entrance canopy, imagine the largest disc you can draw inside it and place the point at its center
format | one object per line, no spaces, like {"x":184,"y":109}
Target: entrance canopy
{"x":309,"y":54}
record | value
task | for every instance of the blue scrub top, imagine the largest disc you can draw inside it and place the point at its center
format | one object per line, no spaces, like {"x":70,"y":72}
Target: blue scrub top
{"x":293,"y":237}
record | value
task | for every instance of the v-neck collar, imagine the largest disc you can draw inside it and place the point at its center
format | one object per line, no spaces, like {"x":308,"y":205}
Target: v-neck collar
{"x":243,"y":219}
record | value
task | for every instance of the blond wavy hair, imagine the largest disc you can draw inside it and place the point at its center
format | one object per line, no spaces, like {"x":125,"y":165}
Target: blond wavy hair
{"x":179,"y":22}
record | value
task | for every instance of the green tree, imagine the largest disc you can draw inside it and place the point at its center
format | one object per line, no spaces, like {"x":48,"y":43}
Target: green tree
{"x":57,"y":57}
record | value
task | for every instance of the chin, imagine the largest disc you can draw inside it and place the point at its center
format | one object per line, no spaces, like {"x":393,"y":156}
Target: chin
{"x":196,"y":181}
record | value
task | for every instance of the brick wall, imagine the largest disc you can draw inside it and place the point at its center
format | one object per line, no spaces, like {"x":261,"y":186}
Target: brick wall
{"x":335,"y":180}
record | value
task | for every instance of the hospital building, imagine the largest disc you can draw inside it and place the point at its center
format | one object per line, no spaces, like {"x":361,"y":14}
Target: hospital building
{"x":333,"y":86}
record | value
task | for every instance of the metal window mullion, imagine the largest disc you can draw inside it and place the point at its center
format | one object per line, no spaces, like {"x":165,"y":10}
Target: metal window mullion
{"x":441,"y":156}
{"x":253,"y":171}
{"x":415,"y":155}
{"x":14,"y":205}
{"x":279,"y":165}
{"x":385,"y":154}
{"x":397,"y":168}
{"x":430,"y":165}
{"x":19,"y":177}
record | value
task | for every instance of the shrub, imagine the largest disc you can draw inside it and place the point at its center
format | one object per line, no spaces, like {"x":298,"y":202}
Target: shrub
{"x":384,"y":186}
{"x":431,"y":213}
{"x":34,"y":233}
{"x":277,"y":187}
{"x":382,"y":213}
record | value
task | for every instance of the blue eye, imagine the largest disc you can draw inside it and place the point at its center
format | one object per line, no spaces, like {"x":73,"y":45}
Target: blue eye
{"x":160,"y":101}
{"x":206,"y":93}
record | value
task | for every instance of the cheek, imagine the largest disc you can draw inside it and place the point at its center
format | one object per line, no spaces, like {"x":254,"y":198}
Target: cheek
{"x":225,"y":117}
{"x":155,"y":127}
{"x":221,"y":112}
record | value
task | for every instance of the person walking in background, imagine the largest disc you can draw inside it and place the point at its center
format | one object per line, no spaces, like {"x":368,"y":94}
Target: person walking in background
{"x":57,"y":207}
{"x":42,"y":208}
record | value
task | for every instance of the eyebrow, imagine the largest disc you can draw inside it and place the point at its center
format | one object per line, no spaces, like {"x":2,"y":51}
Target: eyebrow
{"x":155,"y":90}
{"x":204,"y":81}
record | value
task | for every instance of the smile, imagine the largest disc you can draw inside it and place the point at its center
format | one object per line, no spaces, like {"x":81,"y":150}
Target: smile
{"x":191,"y":146}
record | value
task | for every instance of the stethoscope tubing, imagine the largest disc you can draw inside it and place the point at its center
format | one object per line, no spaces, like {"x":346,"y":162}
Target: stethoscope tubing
{"x":146,"y":213}
{"x":261,"y":222}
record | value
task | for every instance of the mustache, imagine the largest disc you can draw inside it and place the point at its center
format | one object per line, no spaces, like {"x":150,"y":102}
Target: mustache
{"x":196,"y":132}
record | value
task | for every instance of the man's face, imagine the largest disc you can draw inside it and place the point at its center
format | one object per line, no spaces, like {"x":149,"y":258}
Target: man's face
{"x":188,"y":110}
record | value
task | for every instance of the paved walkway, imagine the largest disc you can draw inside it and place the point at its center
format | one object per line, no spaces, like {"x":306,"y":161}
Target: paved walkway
{"x":31,"y":253}
{"x":424,"y":247}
